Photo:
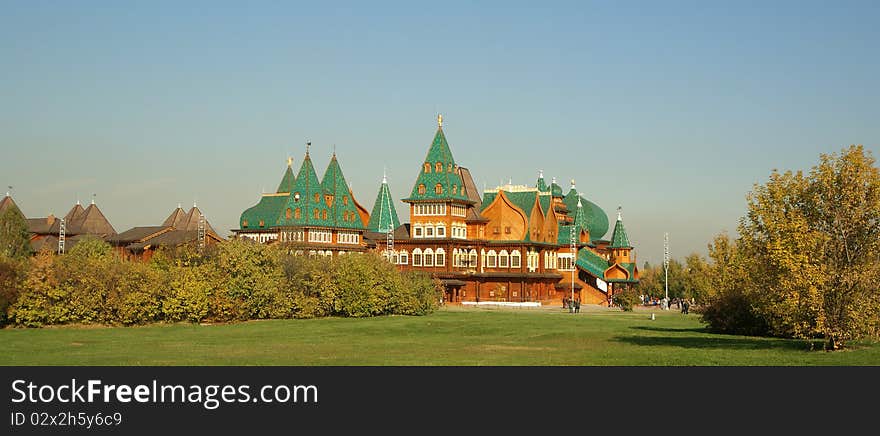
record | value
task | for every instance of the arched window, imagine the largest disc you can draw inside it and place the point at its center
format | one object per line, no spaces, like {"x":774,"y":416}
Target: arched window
{"x":418,"y":232}
{"x":491,"y":259}
{"x":503,"y":259}
{"x":449,"y":168}
{"x":404,"y":257}
{"x":298,"y":253}
{"x":317,"y":198}
{"x":262,"y":223}
{"x":427,"y":167}
{"x":422,"y":188}
{"x":345,"y":200}
{"x":440,"y":257}
{"x":316,"y":213}
{"x":473,"y":259}
{"x":297,"y":213}
{"x":288,"y":213}
{"x":456,"y":261}
{"x":515,"y":259}
{"x":395,"y":258}
{"x":312,"y":253}
{"x":454,"y":189}
{"x":324,"y":214}
{"x":441,"y":231}
{"x":429,"y":231}
{"x":417,"y":257}
{"x":438,"y":189}
{"x":428,"y":259}
{"x":244,"y":223}
{"x":438,"y":167}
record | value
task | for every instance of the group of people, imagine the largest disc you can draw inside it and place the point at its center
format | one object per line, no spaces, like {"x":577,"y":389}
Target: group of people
{"x":573,"y":306}
{"x":682,"y":303}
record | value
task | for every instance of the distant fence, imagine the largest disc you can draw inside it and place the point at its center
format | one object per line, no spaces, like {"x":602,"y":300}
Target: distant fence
{"x":502,"y":303}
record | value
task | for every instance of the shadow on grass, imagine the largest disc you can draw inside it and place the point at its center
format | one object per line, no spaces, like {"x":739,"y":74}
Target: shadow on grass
{"x":709,"y":340}
{"x":672,"y":330}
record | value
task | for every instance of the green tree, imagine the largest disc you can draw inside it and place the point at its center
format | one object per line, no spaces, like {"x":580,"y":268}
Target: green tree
{"x":14,"y":235}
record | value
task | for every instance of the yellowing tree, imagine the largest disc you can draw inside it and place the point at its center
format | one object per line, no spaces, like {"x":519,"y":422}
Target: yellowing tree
{"x":806,"y":262}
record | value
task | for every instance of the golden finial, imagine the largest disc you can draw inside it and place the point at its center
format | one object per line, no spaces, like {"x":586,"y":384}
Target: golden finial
{"x":439,"y":120}
{"x":289,"y":161}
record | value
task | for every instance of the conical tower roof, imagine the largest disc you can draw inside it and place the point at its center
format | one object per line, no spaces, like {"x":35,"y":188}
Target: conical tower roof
{"x":74,"y":214}
{"x":580,"y":218}
{"x":7,"y":203}
{"x":175,"y":219}
{"x":190,"y":222}
{"x":90,"y":222}
{"x":307,"y":197}
{"x":618,"y":237}
{"x":541,"y":184}
{"x":289,"y":180}
{"x":384,"y":216}
{"x":343,"y":211}
{"x":442,"y":185}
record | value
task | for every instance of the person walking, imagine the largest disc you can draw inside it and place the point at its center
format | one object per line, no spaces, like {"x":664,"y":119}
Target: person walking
{"x":577,"y":306}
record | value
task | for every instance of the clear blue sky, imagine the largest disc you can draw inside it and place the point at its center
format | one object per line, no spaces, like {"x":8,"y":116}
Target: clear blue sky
{"x":671,"y":109}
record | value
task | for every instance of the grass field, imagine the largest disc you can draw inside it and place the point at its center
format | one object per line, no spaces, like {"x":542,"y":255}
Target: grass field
{"x":451,"y":336}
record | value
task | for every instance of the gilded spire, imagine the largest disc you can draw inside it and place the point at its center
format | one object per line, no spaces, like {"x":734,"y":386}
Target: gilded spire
{"x":289,"y":161}
{"x":439,"y":120}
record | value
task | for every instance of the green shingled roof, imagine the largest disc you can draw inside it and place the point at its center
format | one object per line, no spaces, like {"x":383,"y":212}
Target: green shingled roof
{"x":592,"y":263}
{"x":541,"y":184}
{"x":287,"y":181}
{"x":384,"y":214}
{"x":343,"y":212}
{"x":618,"y":237}
{"x":448,"y":177}
{"x":597,"y":221}
{"x":556,"y":190}
{"x":580,"y":217}
{"x":268,"y":210}
{"x":303,"y":198}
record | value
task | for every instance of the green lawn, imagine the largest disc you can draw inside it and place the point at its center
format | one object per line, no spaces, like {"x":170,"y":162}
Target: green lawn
{"x":454,"y":336}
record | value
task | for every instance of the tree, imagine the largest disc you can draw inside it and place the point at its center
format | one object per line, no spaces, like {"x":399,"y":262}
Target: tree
{"x":807,"y":261}
{"x":14,"y":235}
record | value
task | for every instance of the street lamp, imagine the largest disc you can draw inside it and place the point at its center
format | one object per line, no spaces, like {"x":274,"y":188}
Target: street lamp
{"x":573,"y":263}
{"x":666,"y":265}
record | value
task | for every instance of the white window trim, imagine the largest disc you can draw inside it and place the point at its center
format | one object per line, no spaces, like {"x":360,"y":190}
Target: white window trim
{"x":493,"y":257}
{"x":428,"y":257}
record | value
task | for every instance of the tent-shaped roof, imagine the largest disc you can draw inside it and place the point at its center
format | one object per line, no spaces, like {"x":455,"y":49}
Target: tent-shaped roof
{"x":8,"y":204}
{"x":447,"y":178}
{"x":618,"y":237}
{"x":176,"y":218}
{"x":288,"y":180}
{"x":90,"y":221}
{"x":308,"y":197}
{"x":384,"y":216}
{"x":342,"y":210}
